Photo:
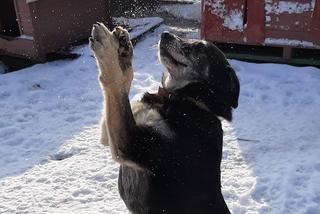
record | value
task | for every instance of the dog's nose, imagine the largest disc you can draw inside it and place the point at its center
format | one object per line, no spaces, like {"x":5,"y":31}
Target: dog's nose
{"x":166,"y":36}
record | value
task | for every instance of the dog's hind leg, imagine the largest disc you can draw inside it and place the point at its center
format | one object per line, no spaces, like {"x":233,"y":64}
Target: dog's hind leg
{"x":113,"y":52}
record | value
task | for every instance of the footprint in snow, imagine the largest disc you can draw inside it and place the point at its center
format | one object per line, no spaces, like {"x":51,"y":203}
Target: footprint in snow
{"x":72,"y":119}
{"x":15,"y":142}
{"x":77,"y":193}
{"x":317,"y":167}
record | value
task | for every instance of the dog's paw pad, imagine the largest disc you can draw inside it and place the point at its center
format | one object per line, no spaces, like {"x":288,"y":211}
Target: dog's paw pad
{"x":122,"y":35}
{"x":125,"y":45}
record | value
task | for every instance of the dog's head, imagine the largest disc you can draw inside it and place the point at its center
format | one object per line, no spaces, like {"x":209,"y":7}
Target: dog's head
{"x":189,"y":61}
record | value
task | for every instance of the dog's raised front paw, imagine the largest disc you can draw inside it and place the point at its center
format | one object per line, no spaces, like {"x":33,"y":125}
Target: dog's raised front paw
{"x":101,"y":40}
{"x":113,"y":51}
{"x":125,"y":45}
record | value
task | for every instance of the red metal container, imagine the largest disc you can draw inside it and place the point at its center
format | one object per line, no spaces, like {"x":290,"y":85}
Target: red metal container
{"x":294,"y":23}
{"x":35,"y":28}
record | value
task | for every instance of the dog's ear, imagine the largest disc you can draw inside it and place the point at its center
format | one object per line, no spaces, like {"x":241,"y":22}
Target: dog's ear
{"x":234,"y":86}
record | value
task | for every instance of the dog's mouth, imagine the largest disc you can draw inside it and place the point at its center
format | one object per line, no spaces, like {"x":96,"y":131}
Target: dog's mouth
{"x":169,"y":50}
{"x":164,"y":53}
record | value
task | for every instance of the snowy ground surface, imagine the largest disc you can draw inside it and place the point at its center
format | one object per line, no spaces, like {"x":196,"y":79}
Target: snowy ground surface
{"x":51,"y":160}
{"x":138,"y":26}
{"x":187,"y":11}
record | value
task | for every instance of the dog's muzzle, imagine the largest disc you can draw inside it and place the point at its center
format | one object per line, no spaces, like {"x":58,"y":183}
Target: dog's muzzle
{"x":170,"y":49}
{"x":166,"y":36}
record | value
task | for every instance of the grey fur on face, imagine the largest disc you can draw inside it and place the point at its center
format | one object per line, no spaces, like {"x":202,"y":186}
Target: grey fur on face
{"x":185,"y":61}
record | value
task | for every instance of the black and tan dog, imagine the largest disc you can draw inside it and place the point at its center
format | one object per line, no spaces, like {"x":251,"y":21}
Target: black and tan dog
{"x":169,"y":145}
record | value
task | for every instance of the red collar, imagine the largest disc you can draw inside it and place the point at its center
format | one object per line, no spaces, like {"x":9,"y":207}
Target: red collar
{"x":162,"y":92}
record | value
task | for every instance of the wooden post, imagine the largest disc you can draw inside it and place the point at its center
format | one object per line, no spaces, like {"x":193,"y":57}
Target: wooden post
{"x":211,"y":25}
{"x":287,"y":52}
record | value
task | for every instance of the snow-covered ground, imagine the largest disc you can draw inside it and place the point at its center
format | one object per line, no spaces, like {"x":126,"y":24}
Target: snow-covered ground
{"x":187,"y":11}
{"x":51,"y":160}
{"x":274,"y":166}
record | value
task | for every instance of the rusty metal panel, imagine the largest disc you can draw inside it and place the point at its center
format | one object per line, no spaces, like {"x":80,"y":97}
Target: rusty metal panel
{"x":295,"y":22}
{"x":223,"y":20}
{"x":53,"y":24}
{"x":59,"y":23}
{"x":289,"y":22}
{"x":254,"y":27}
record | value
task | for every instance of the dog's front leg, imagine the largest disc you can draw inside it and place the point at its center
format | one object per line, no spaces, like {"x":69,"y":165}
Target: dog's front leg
{"x":113,"y":52}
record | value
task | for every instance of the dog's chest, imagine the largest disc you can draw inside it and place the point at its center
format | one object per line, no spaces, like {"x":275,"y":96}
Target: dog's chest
{"x":146,"y":115}
{"x":175,"y":116}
